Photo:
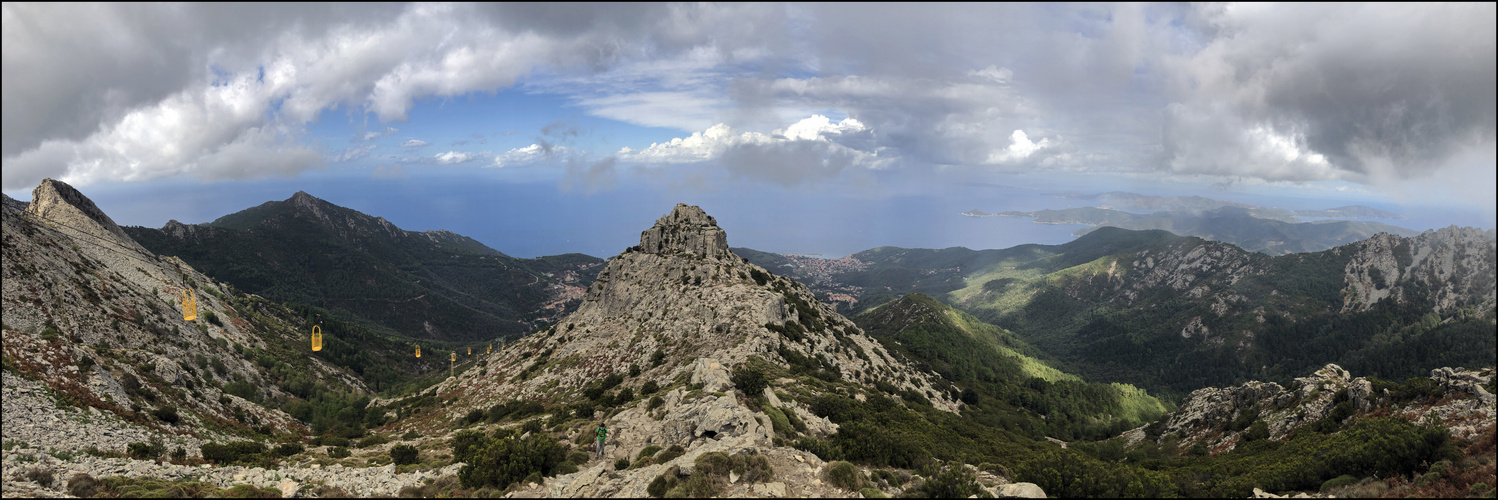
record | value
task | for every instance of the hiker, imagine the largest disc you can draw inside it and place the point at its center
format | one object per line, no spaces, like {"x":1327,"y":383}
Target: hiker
{"x":603,"y":434}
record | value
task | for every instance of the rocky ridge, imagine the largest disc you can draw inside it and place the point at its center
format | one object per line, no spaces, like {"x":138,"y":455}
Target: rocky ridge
{"x":684,"y":312}
{"x":1453,"y":266}
{"x":96,"y":349}
{"x":1205,"y":415}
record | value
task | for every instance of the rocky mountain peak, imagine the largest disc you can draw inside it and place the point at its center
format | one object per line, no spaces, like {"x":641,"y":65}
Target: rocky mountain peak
{"x":61,"y":204}
{"x":687,"y":230}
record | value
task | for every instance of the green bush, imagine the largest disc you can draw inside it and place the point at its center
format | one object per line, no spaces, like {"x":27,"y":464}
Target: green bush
{"x":167,"y":414}
{"x":374,"y":440}
{"x":670,"y":454}
{"x":502,"y":461}
{"x":952,"y":482}
{"x":778,"y":420}
{"x":82,"y":485}
{"x":334,"y":441}
{"x":41,"y":476}
{"x":871,"y":492}
{"x":621,"y":464}
{"x":566,"y":467}
{"x":289,"y":449}
{"x":231,"y":452}
{"x":660,"y":485}
{"x":649,"y":451}
{"x":1338,"y":482}
{"x":749,"y":380}
{"x":474,"y":416}
{"x":339,"y":452}
{"x":649,"y":388}
{"x":404,"y":454}
{"x":845,"y":475}
{"x":655,"y":402}
{"x":578,"y":457}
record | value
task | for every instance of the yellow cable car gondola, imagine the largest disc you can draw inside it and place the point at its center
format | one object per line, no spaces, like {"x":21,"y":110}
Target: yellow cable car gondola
{"x":316,"y":338}
{"x":470,"y":351}
{"x":189,"y":305}
{"x":418,"y":351}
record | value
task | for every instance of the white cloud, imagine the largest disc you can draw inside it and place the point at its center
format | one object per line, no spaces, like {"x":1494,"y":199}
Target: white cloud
{"x":812,"y":148}
{"x":535,"y":154}
{"x":1020,"y":147}
{"x":996,"y":74}
{"x":414,"y":143}
{"x":453,"y":157}
{"x":370,"y":136}
{"x":353,"y":153}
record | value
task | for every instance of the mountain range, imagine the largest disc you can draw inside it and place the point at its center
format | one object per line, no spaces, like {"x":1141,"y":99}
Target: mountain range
{"x":420,"y":285}
{"x":730,"y":372}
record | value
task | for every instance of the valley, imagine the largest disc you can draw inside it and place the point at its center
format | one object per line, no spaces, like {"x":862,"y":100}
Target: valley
{"x":1124,"y":363}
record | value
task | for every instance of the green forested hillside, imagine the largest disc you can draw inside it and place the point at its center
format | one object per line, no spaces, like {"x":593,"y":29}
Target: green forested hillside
{"x":435,"y":285}
{"x":1172,"y":314}
{"x":1003,"y":381}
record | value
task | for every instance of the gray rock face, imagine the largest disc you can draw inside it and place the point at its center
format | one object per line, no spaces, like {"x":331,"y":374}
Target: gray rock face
{"x":1456,"y":265}
{"x":1020,"y":490}
{"x":686,"y":230}
{"x":1207,"y":411}
{"x":59,"y":203}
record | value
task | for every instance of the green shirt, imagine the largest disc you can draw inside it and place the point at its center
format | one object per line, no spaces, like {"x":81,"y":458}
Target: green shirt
{"x":603,"y":433}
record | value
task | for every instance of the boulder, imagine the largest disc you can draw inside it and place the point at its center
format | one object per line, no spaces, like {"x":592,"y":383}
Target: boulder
{"x":1020,"y":490}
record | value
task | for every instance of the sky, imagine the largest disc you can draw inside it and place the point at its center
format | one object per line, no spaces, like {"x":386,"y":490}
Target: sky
{"x":546,"y":128}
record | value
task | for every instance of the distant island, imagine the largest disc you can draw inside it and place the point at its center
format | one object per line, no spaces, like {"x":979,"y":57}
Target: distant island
{"x":1269,"y":230}
{"x":1198,"y":204}
{"x":1351,"y":212}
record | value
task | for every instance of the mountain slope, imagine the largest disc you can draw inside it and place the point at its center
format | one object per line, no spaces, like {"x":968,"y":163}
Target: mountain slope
{"x":680,"y":344}
{"x":96,"y":322}
{"x":1173,"y":314}
{"x":433,"y":284}
{"x":999,"y":374}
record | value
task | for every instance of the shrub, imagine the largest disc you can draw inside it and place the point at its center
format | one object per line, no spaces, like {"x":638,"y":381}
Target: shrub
{"x":872,"y":492}
{"x":145,"y":451}
{"x":952,"y":482}
{"x":621,"y":464}
{"x":411,"y":434}
{"x":660,"y":485}
{"x":578,"y":457}
{"x":82,"y":485}
{"x":1338,"y":482}
{"x":335,"y":441}
{"x":374,"y":440}
{"x":625,"y":395}
{"x":670,"y":454}
{"x":655,"y":402}
{"x":41,"y":476}
{"x":502,"y":461}
{"x":231,"y":452}
{"x":566,"y":467}
{"x":403,"y":454}
{"x":474,"y":416}
{"x":1259,"y":430}
{"x":339,"y":452}
{"x":778,"y":420}
{"x":289,"y":449}
{"x":649,"y":388}
{"x":846,"y":476}
{"x":750,"y":380}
